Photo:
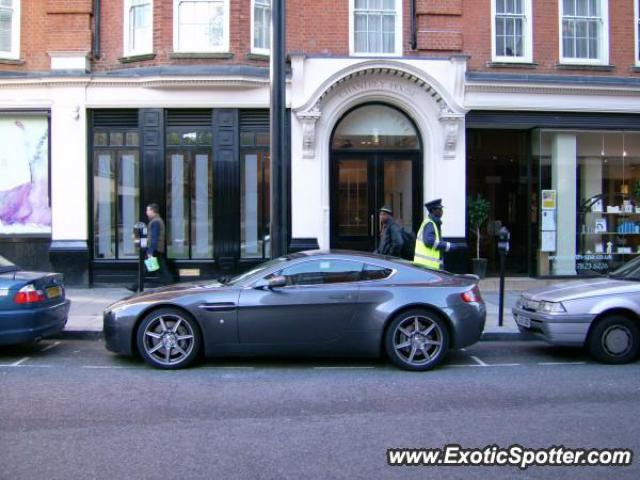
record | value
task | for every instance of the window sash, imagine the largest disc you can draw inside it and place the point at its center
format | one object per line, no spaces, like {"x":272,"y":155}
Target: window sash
{"x":262,"y":25}
{"x":582,"y":30}
{"x":202,"y":25}
{"x":140,"y":15}
{"x":375,"y":26}
{"x":512,"y":30}
{"x":9,"y":28}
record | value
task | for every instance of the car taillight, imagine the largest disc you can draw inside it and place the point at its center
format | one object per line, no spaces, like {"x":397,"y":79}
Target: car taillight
{"x":29,"y":294}
{"x":472,"y":296}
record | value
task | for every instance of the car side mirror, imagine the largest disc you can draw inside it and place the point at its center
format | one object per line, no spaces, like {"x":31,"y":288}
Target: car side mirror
{"x":274,"y":282}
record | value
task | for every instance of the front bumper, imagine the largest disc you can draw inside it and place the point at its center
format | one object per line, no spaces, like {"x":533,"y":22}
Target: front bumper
{"x":558,"y":329}
{"x":26,"y":325}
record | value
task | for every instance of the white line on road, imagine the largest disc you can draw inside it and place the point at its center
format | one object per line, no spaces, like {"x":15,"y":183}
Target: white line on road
{"x":49,"y":347}
{"x":476,"y":365}
{"x":562,"y":363}
{"x":19,"y":362}
{"x":478,"y":361}
{"x":344,"y":368}
{"x":229,"y":367}
{"x":104,"y":366}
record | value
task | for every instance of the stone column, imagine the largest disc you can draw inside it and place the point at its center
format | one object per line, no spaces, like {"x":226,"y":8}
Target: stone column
{"x":564,"y":182}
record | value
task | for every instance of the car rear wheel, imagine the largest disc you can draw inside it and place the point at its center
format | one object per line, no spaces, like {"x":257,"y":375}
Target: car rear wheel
{"x":168,"y":339}
{"x":614,"y":339}
{"x":417,"y":340}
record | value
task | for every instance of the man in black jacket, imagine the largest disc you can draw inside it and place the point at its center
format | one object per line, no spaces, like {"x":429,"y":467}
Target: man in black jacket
{"x":391,"y":240}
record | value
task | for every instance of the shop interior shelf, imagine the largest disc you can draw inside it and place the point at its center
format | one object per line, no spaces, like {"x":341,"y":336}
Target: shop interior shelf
{"x":609,"y":233}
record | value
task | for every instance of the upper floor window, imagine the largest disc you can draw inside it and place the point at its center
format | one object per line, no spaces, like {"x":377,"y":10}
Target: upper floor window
{"x":201,"y":25}
{"x":138,"y":27}
{"x":376,"y":27}
{"x":10,"y":29}
{"x":512,"y":32}
{"x":637,"y":29}
{"x":584,"y":31}
{"x":261,"y":21}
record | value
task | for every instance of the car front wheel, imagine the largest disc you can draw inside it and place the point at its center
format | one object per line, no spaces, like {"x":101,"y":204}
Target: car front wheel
{"x":168,"y":339}
{"x":614,"y":339}
{"x":417,"y":340}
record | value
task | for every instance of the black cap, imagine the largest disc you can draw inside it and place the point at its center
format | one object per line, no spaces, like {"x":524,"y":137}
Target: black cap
{"x":433,"y":204}
{"x":386,"y":209}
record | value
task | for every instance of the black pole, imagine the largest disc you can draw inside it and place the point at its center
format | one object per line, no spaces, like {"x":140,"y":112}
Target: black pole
{"x":503,"y":261}
{"x":279,"y":200}
{"x":140,"y":267}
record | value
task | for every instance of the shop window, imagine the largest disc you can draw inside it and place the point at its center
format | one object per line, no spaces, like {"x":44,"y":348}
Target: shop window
{"x":201,"y":25}
{"x":116,"y":192}
{"x":376,"y":27}
{"x":261,"y":31}
{"x":189,"y":201}
{"x":24,"y":175}
{"x":588,"y":199}
{"x":584,"y":31}
{"x":138,"y":27}
{"x":512,"y":33}
{"x":636,"y":8}
{"x":254,"y":201}
{"x":10,"y":29}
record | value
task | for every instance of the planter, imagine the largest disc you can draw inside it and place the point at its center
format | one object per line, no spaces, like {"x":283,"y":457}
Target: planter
{"x":480,"y":267}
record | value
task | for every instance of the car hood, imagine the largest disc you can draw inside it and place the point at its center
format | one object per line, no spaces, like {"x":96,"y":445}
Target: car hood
{"x":574,"y":290}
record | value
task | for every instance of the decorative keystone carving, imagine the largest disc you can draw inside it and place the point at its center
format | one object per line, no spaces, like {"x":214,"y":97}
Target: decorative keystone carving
{"x":308,"y":120}
{"x":451,"y":123}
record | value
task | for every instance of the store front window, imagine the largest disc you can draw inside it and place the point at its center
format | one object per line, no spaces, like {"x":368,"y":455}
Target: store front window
{"x":189,"y":176}
{"x":254,"y":195}
{"x":587,"y":200}
{"x":116,"y":192}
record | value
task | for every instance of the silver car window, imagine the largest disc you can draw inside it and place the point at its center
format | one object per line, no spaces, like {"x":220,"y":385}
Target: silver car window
{"x":322,"y":272}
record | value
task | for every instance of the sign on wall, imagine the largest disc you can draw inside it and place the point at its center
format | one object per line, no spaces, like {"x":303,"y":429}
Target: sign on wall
{"x":24,"y":175}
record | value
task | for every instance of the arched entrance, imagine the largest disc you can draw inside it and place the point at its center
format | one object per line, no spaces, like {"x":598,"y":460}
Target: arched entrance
{"x":375,"y":160}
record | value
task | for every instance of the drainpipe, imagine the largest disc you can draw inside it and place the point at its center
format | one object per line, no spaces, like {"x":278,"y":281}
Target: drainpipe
{"x":96,"y":29}
{"x":414,"y":35}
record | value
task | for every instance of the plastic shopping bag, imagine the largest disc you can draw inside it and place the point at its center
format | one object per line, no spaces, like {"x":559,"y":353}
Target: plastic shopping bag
{"x":152,"y":264}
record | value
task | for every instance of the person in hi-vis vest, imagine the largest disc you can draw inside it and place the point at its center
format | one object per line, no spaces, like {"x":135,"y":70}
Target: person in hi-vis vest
{"x":429,"y":246}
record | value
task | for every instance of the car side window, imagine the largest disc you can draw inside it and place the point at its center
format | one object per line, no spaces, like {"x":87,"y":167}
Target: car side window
{"x":322,"y":272}
{"x":373,"y":272}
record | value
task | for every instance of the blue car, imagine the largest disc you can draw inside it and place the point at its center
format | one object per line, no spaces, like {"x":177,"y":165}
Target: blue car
{"x":32,"y":304}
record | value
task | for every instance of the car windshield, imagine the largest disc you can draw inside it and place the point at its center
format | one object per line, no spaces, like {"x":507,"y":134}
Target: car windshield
{"x":263,"y":267}
{"x":628,"y":271}
{"x":7,"y":265}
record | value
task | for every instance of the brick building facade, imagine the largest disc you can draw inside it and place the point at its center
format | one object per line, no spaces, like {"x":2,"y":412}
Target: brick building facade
{"x":108,"y":105}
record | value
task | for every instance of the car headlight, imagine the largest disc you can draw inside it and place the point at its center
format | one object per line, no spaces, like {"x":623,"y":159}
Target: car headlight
{"x":551,"y":307}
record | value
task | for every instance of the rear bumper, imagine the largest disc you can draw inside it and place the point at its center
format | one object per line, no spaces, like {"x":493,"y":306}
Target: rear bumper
{"x":22,"y":326}
{"x":468,"y":323}
{"x":556,"y":329}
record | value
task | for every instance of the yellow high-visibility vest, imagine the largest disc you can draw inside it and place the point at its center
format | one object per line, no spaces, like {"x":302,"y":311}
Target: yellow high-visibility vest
{"x":427,"y":256}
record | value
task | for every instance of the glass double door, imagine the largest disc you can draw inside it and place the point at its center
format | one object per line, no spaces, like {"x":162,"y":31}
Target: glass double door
{"x":360,"y":185}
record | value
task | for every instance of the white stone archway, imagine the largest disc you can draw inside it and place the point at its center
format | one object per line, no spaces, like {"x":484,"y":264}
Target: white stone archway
{"x":431,"y":105}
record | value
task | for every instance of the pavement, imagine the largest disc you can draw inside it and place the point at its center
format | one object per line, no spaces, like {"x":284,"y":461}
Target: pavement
{"x":87,"y":304}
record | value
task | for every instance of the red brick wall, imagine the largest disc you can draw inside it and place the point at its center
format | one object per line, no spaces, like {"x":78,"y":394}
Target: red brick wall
{"x":314,"y":27}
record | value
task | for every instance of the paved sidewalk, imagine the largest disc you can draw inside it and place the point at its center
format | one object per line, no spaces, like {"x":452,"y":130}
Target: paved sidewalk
{"x":87,"y":304}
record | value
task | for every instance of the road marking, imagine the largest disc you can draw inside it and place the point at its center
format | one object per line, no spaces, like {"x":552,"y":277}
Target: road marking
{"x":104,"y":366}
{"x":344,"y":368}
{"x":476,"y":365}
{"x":562,"y":363}
{"x":49,"y":347}
{"x":19,"y":362}
{"x":232,"y":367}
{"x":478,"y":361}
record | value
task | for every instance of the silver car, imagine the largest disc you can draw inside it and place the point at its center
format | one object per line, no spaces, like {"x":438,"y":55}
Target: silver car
{"x":602,"y":314}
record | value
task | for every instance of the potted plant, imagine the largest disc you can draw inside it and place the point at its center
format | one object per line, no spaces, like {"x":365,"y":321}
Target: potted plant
{"x":478,"y":214}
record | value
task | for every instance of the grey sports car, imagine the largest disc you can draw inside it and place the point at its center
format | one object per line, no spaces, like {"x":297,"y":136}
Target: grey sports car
{"x":602,"y":314}
{"x":310,"y":303}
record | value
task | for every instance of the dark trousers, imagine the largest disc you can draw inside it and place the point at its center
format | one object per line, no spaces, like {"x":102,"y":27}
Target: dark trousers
{"x":162,"y":276}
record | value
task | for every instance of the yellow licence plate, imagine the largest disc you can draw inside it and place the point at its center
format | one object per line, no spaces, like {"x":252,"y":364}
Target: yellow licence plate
{"x":53,"y":292}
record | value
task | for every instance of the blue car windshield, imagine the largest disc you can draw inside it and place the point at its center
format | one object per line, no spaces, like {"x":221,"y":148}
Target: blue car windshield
{"x":263,"y":267}
{"x":629,"y":271}
{"x":7,"y":266}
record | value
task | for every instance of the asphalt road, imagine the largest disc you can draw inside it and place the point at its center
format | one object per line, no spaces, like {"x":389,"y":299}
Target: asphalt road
{"x":72,"y":410}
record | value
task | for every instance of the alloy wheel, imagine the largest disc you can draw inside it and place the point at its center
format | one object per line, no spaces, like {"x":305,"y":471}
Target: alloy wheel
{"x":418,"y":340}
{"x":168,"y":340}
